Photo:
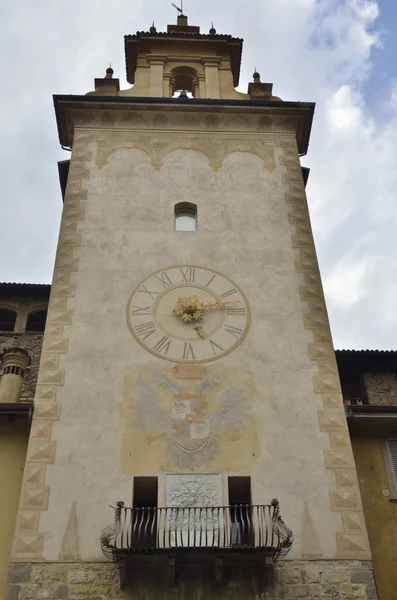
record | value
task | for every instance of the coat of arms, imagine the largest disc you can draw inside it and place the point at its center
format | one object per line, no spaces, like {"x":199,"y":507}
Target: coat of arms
{"x":186,"y":416}
{"x":190,"y":420}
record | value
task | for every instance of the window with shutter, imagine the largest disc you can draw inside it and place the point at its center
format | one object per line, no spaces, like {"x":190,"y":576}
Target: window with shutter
{"x":391,"y":445}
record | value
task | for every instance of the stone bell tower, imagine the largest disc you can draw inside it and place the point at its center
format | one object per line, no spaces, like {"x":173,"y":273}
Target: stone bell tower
{"x":188,"y":376}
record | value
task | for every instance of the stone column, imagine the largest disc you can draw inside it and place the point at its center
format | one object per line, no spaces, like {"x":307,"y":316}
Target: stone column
{"x":211,"y":66}
{"x":167,"y":85}
{"x":156,"y":76}
{"x":202,"y":93}
{"x":15,"y":361}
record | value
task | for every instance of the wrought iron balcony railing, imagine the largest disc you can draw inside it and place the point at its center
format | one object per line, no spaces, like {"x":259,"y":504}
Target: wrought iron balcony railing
{"x":221,"y":528}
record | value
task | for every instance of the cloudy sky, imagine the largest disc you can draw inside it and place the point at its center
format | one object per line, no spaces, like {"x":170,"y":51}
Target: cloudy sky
{"x":340,"y":54}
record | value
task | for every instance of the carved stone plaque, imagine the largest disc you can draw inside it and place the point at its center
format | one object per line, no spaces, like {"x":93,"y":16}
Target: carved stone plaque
{"x":194,"y":490}
{"x":193,"y":518}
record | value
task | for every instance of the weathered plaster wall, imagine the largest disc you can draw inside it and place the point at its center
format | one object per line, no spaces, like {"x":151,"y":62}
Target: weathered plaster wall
{"x":380,"y":513}
{"x":31,"y":342}
{"x":13,"y":443}
{"x":316,"y":580}
{"x":117,"y":227}
{"x":381,"y":388}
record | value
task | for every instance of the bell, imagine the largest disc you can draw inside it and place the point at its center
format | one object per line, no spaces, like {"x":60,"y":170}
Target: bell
{"x":183,"y":94}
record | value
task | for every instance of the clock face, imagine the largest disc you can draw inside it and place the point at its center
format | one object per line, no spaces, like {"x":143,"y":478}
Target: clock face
{"x":155,"y":325}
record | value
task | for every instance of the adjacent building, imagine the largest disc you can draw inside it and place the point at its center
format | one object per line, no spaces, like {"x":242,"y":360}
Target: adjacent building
{"x":23,"y":310}
{"x":369,"y":386}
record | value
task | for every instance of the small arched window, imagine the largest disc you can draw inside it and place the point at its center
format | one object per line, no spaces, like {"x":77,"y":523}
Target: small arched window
{"x":36,"y":321}
{"x":184,"y":79}
{"x":7,"y":319}
{"x":185,"y":216}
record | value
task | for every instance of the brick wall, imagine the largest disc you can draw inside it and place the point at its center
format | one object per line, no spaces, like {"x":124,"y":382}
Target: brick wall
{"x":381,"y":388}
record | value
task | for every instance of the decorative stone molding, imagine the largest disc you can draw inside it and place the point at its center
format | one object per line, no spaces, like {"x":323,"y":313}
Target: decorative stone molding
{"x":345,"y":497}
{"x":15,"y":362}
{"x":215,"y":149}
{"x":35,"y":496}
{"x":70,"y":542}
{"x":311,"y":547}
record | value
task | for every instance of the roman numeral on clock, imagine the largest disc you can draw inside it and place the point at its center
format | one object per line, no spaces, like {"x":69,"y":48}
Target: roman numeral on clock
{"x":188,"y":352}
{"x":188,"y":275}
{"x":234,"y":331}
{"x":165,"y":280}
{"x":163,"y":345}
{"x":215,"y":348}
{"x":138,"y":311}
{"x":211,"y":280}
{"x":235,"y":312}
{"x":144,"y":290}
{"x":145,"y":329}
{"x":229,"y":293}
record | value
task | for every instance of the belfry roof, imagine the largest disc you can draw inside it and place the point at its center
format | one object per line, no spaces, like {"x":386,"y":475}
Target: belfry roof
{"x":223,"y":36}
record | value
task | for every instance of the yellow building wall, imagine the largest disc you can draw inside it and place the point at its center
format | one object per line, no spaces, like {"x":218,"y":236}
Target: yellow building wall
{"x":380,"y":513}
{"x":13,"y":443}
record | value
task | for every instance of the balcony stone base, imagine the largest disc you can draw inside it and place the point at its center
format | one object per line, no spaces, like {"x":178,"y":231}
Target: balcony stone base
{"x":310,"y":580}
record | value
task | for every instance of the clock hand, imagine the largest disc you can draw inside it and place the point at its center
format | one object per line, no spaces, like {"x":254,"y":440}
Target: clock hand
{"x":207,"y":305}
{"x":190,"y":309}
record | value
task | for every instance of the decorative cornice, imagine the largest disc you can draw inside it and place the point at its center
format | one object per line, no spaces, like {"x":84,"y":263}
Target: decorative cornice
{"x":156,"y":59}
{"x":143,"y":114}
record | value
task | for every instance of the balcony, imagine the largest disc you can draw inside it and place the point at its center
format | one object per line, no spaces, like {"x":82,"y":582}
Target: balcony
{"x":180,"y":537}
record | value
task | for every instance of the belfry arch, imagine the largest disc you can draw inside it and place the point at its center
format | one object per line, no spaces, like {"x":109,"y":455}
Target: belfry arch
{"x":184,"y":78}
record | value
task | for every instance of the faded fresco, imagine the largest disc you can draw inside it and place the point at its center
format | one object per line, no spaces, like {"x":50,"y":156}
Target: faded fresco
{"x":188,"y":416}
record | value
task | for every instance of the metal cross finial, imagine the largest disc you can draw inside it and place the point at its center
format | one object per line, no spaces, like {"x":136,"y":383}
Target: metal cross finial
{"x":179,"y":9}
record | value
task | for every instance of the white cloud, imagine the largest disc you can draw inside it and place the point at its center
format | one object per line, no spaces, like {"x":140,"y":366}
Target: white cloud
{"x":348,"y":281}
{"x":345,"y":111}
{"x":312,"y":50}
